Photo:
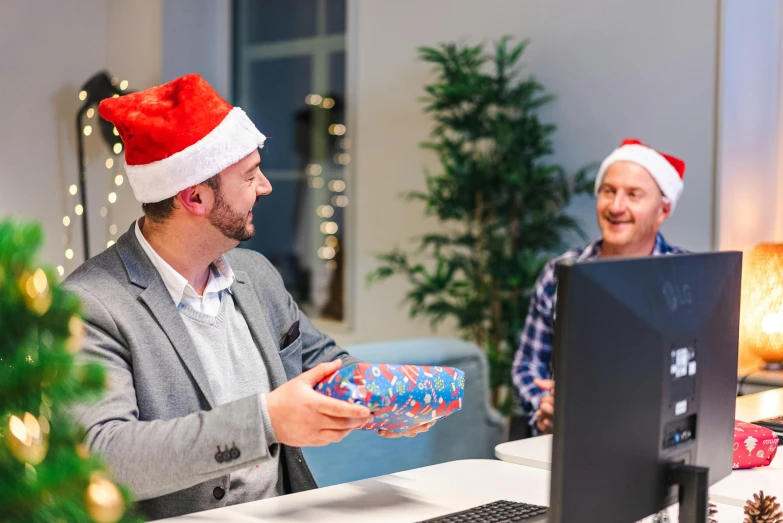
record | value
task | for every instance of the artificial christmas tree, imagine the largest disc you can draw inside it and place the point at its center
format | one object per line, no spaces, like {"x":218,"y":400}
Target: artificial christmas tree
{"x":46,"y":473}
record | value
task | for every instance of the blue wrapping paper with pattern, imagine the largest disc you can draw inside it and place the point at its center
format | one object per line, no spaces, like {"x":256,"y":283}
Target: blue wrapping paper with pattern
{"x":400,"y":397}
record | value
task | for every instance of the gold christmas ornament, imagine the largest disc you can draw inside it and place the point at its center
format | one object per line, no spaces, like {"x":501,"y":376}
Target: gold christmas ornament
{"x":103,"y":500}
{"x":26,"y":441}
{"x":35,"y":289}
{"x":763,"y":509}
{"x":82,"y":451}
{"x":78,"y":333}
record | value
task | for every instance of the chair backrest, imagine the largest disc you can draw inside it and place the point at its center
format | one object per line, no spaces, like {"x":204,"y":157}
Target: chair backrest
{"x":472,"y":432}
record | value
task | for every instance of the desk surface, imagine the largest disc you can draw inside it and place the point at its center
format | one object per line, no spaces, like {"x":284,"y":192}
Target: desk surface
{"x":409,"y":496}
{"x":761,"y":405}
{"x":734,"y":490}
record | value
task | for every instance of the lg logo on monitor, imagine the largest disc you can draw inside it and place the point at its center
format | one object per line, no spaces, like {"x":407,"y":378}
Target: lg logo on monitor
{"x":677,"y":295}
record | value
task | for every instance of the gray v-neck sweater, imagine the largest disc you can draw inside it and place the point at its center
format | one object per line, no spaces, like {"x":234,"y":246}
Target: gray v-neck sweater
{"x":235,"y":370}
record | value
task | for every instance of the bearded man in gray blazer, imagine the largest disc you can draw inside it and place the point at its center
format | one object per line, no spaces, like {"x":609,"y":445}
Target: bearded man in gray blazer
{"x":210,"y":363}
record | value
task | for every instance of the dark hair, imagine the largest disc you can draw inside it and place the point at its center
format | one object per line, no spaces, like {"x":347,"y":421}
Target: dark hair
{"x":161,"y":211}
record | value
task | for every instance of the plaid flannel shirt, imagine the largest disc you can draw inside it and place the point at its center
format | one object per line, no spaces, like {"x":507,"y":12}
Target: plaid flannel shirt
{"x":533,"y":356}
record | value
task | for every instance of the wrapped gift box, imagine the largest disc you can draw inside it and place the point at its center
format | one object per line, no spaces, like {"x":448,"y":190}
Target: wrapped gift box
{"x":754,"y":446}
{"x":400,"y":396}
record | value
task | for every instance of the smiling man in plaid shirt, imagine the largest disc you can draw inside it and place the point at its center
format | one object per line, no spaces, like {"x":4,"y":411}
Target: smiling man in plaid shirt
{"x":637,"y":189}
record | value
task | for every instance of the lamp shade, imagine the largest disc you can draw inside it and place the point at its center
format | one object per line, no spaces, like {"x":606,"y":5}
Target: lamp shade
{"x":761,"y":324}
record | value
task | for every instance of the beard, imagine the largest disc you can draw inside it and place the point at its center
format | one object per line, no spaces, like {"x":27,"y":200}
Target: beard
{"x":232,"y":224}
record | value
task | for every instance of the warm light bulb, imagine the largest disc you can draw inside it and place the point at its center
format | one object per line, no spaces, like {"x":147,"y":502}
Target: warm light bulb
{"x":109,"y":243}
{"x":118,"y":180}
{"x":109,"y":163}
{"x":87,"y":130}
{"x":32,"y":426}
{"x":69,"y":253}
{"x":340,"y":201}
{"x":327,"y":103}
{"x":115,"y":131}
{"x":772,"y":324}
{"x":329,"y":227}
{"x":325,"y":211}
{"x":82,"y":95}
{"x":331,"y":241}
{"x":60,"y":270}
{"x":337,"y":129}
{"x":66,"y":220}
{"x":18,"y":429}
{"x":337,"y":186}
{"x":314,"y":169}
{"x":90,"y":112}
{"x":78,"y":209}
{"x":316,"y":183}
{"x":117,"y":148}
{"x":113,"y":229}
{"x":73,"y":189}
{"x":123,"y":85}
{"x":40,"y":283}
{"x":112,"y":197}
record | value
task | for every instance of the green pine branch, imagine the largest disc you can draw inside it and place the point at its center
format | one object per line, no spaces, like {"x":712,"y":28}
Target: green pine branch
{"x":499,"y":194}
{"x":40,"y":377}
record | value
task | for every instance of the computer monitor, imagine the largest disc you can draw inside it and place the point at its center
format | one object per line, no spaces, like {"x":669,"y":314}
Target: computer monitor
{"x":645,"y":367}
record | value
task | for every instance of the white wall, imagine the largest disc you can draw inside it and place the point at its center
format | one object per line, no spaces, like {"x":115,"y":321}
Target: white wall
{"x":134,"y":52}
{"x":618,"y":68}
{"x":48,"y":49}
{"x":196,"y":39}
{"x":750,"y":185}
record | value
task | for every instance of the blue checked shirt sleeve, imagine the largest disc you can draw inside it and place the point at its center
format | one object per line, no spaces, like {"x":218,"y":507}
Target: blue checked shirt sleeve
{"x":533,"y":356}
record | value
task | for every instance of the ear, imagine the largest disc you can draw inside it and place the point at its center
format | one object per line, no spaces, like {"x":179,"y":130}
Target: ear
{"x":666,"y":209}
{"x":196,"y":199}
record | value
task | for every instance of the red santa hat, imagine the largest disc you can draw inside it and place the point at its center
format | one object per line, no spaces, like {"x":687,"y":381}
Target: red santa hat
{"x":177,"y":135}
{"x":666,"y":170}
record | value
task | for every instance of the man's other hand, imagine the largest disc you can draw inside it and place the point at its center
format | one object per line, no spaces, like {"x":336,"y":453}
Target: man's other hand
{"x":546,"y":408}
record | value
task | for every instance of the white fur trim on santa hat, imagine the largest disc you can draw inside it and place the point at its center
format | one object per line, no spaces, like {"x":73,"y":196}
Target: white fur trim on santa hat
{"x":664,"y":173}
{"x":233,"y":139}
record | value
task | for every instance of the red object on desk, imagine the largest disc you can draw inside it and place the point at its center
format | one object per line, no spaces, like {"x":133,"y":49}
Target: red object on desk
{"x":754,"y":446}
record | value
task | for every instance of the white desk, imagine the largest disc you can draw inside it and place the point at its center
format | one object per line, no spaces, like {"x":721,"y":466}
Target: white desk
{"x":408,"y":496}
{"x":761,"y":405}
{"x":734,"y":490}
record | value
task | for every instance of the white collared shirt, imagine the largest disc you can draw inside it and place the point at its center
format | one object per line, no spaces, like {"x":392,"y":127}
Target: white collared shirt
{"x":220,"y":278}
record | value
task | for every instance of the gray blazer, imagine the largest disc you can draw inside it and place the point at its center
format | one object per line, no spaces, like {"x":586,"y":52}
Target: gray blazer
{"x":157,"y":425}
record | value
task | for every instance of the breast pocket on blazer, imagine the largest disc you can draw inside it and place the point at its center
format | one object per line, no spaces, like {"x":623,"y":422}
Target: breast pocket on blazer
{"x":291,"y":357}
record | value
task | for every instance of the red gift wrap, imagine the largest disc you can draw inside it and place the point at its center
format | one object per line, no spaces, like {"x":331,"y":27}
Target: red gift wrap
{"x":754,"y":446}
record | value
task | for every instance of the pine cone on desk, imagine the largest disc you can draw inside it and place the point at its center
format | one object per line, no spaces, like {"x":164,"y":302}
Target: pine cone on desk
{"x":711,"y":513}
{"x":763,"y":509}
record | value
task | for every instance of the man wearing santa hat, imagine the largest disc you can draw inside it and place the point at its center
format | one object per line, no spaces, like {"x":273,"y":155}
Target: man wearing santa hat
{"x":637,"y":189}
{"x":210,"y":363}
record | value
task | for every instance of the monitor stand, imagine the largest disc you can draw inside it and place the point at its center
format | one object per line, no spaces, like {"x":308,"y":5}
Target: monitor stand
{"x":693,"y":484}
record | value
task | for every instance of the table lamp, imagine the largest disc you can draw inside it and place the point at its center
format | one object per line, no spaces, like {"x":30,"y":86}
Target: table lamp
{"x":761,"y":317}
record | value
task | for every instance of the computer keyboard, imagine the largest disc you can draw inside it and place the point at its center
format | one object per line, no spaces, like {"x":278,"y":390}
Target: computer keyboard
{"x":496,"y":512}
{"x":776,"y":423}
